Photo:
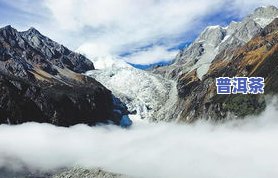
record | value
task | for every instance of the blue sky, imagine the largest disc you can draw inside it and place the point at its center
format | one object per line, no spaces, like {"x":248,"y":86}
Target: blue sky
{"x":141,"y":32}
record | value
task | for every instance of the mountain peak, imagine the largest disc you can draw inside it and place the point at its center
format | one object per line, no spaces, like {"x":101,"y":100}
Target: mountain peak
{"x":266,"y":8}
{"x":265,"y":11}
{"x":8,"y":28}
{"x":264,"y":15}
{"x":37,"y":75}
{"x":32,"y":32}
{"x":8,"y":31}
{"x":214,"y":39}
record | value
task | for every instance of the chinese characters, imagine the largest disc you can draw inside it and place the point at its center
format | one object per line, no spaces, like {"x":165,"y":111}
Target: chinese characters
{"x":243,"y":85}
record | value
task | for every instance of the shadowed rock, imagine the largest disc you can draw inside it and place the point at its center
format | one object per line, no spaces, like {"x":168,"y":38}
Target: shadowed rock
{"x":40,"y":81}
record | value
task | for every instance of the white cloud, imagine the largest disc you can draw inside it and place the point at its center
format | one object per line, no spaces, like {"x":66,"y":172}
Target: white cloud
{"x":124,"y":25}
{"x":92,"y":50}
{"x":109,"y":27}
{"x":239,"y":148}
{"x":151,"y":55}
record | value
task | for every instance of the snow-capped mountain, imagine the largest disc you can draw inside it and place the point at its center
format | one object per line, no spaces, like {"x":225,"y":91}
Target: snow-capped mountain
{"x":258,"y":58}
{"x":149,"y":95}
{"x":157,"y":97}
{"x":264,"y":15}
{"x":215,"y":39}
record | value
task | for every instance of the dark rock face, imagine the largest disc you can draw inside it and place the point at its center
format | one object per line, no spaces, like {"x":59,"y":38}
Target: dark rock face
{"x":187,"y":83}
{"x":258,"y":58}
{"x":23,"y":101}
{"x":24,"y":50}
{"x":270,"y":28}
{"x":57,"y":54}
{"x":40,"y":81}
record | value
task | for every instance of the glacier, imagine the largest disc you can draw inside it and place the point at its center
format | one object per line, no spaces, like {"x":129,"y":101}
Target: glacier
{"x":148,"y":95}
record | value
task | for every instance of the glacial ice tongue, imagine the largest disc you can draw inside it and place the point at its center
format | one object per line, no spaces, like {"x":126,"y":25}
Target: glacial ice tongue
{"x":142,"y":92}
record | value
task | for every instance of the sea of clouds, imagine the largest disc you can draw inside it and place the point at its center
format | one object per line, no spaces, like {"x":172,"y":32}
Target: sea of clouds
{"x":238,"y":148}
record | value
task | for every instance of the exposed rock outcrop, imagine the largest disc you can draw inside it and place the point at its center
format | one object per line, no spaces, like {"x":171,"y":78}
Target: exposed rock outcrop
{"x":55,"y":53}
{"x":88,"y":173}
{"x":257,"y":58}
{"x":225,"y":51}
{"x":215,"y":39}
{"x":40,"y":81}
{"x":76,"y":172}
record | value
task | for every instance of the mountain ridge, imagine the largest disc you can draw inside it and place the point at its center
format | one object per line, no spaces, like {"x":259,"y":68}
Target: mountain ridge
{"x":214,"y":39}
{"x":42,"y":81}
{"x":179,"y":80}
{"x":257,"y":58}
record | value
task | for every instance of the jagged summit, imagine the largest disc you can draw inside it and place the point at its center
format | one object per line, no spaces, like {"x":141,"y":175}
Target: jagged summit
{"x":214,"y":39}
{"x":256,"y":58}
{"x":40,"y":81}
{"x":7,"y":27}
{"x":33,"y":49}
{"x":265,"y":10}
{"x":32,"y":31}
{"x":264,"y":15}
{"x":8,"y":30}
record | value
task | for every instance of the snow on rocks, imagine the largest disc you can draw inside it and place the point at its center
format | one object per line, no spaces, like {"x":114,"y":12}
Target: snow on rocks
{"x":143,"y":93}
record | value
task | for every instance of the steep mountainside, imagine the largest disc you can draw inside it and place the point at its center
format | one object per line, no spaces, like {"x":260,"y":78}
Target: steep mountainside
{"x":215,"y":39}
{"x":257,"y":58}
{"x":40,"y":82}
{"x":55,"y":53}
{"x":184,"y":92}
{"x":215,"y":52}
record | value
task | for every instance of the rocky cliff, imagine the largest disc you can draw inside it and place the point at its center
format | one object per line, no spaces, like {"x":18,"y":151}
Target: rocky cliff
{"x":40,"y":81}
{"x":258,"y":58}
{"x":215,"y":39}
{"x":245,"y":48}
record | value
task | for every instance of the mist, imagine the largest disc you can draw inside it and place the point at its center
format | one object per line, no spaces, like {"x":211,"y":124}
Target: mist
{"x":237,"y":148}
